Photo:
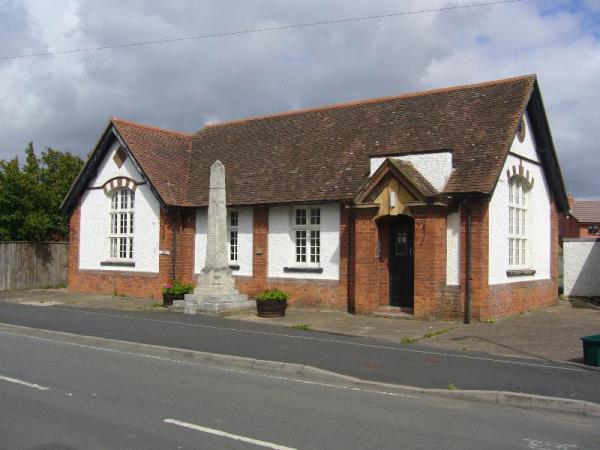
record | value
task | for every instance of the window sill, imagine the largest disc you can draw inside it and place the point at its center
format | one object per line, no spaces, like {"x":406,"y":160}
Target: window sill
{"x":118,"y":263}
{"x":234,"y":266}
{"x":303,"y":269}
{"x":520,"y":272}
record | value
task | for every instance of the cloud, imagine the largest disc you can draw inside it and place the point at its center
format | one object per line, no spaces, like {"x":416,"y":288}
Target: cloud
{"x":64,"y":101}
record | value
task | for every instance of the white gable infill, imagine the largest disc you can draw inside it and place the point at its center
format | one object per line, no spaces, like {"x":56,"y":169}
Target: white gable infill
{"x":94,"y":218}
{"x":527,"y":148}
{"x":435,"y":167}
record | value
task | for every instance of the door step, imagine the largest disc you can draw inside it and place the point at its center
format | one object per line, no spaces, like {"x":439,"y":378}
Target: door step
{"x":394,"y":312}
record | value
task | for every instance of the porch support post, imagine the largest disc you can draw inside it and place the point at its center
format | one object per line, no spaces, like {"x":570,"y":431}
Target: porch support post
{"x":429,"y":260}
{"x":366,"y":261}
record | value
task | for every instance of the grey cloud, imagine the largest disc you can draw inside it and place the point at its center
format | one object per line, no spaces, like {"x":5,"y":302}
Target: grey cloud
{"x":64,"y":101}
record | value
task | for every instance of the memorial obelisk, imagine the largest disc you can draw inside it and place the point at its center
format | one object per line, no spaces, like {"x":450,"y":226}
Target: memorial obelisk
{"x":216,"y":292}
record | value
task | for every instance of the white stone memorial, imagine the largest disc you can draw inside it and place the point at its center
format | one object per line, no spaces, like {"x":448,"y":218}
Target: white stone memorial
{"x":216,"y":292}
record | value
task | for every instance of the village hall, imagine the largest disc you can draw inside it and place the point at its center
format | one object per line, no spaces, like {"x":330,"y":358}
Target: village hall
{"x":435,"y":204}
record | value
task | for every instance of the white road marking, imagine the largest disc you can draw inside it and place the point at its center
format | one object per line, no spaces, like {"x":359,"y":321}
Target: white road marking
{"x":24,"y":383}
{"x":225,"y":369}
{"x":333,"y":341}
{"x":544,"y":445}
{"x":227,"y":435}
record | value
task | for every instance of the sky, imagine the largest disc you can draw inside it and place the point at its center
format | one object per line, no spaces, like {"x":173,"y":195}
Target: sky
{"x":64,"y":101}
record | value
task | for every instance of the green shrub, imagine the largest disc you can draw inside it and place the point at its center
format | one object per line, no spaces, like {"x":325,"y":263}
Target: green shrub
{"x":272,"y":294}
{"x":178,"y":288}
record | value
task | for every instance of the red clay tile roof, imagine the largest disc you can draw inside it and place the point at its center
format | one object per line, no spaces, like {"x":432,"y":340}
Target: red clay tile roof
{"x":323,"y":154}
{"x":586,"y":211}
{"x":415,"y":177}
{"x":162,"y":154}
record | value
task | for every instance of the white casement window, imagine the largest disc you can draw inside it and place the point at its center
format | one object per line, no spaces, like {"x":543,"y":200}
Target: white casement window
{"x":517,"y":223}
{"x":307,"y":235}
{"x":121,"y":224}
{"x":233,"y":236}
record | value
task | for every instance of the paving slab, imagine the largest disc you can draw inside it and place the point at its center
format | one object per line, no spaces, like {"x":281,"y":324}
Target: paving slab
{"x":61,"y":296}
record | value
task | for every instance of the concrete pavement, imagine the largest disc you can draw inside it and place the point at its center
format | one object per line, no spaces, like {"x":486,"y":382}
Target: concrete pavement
{"x":415,"y":365}
{"x":94,"y":398}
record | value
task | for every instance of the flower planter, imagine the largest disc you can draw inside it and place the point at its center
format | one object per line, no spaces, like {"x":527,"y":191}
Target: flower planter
{"x":271,"y":308}
{"x":168,"y":298}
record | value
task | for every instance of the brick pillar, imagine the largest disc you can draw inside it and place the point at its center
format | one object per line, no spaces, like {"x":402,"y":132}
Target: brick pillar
{"x":430,"y":261}
{"x":260,"y":246}
{"x":366,"y":264}
{"x":185,"y":241}
{"x":165,"y":260}
{"x":73,"y":255}
{"x":383,"y":261}
{"x":479,"y":257}
{"x":344,"y":270}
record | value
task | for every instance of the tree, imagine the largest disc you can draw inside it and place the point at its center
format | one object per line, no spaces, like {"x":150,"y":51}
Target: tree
{"x":31,"y":195}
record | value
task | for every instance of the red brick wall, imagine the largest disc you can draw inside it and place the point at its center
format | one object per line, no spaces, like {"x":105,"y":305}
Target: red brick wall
{"x":105,"y":281}
{"x":512,"y":298}
{"x":185,"y":240}
{"x":135,"y":284}
{"x":303,"y":292}
{"x":363,"y":285}
{"x":430,"y":260}
{"x":258,"y":281}
{"x":366,"y":264}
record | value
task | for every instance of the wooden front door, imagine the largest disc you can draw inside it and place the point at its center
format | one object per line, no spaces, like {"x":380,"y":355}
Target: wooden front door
{"x":401,"y":262}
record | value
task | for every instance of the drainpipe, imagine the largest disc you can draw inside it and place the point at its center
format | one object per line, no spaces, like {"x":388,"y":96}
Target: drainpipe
{"x":467,"y":318}
{"x":174,"y":245}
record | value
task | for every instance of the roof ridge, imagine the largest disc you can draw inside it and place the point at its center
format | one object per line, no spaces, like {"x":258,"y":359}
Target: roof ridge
{"x":150,"y":127}
{"x":368,"y":101}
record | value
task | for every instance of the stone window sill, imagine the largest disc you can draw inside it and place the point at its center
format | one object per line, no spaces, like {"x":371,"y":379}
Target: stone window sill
{"x":303,"y":269}
{"x":118,"y":263}
{"x":520,"y":272}
{"x":234,"y":266}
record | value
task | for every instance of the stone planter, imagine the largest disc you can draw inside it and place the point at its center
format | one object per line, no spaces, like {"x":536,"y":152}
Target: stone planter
{"x":271,"y":308}
{"x":168,"y":298}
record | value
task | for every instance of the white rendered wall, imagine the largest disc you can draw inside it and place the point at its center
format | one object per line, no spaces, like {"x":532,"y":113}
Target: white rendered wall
{"x":527,"y":147}
{"x":538,"y":226}
{"x":245,"y":226}
{"x":282,"y":252}
{"x":94,"y":220}
{"x":453,"y":249}
{"x":435,"y":167}
{"x":581,"y":259}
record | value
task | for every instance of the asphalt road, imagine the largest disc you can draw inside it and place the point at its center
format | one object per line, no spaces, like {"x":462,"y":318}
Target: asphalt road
{"x":63,"y":396}
{"x":370,"y":359}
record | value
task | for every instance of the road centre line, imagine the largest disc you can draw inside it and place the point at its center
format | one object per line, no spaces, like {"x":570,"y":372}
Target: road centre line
{"x":226,"y":369}
{"x":227,"y":435}
{"x":334,"y":341}
{"x":24,"y":383}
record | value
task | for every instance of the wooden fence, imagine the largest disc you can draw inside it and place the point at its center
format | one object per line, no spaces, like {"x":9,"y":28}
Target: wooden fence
{"x":26,"y":265}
